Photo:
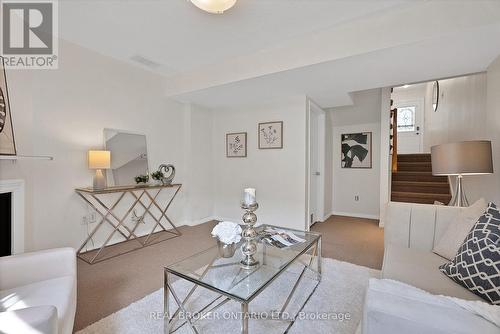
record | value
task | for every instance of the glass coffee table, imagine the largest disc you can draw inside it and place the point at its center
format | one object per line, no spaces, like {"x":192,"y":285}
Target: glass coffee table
{"x":230,"y":282}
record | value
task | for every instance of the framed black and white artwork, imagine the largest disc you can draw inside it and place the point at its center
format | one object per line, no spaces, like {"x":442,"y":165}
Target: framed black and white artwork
{"x":356,"y":150}
{"x":236,"y":145}
{"x":7,"y":144}
{"x":271,"y":135}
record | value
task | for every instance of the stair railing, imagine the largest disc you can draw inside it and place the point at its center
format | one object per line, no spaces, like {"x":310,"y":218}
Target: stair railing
{"x":394,"y":138}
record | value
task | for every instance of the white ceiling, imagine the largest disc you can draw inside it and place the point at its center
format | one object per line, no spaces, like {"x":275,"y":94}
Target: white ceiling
{"x":418,"y":87}
{"x":266,"y":49}
{"x":181,"y":37}
{"x":330,"y":83}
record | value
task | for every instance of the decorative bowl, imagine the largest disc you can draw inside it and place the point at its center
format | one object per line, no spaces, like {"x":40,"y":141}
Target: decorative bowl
{"x":226,"y":250}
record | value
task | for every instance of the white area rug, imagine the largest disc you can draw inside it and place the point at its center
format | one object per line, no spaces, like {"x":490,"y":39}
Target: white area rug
{"x":338,"y":299}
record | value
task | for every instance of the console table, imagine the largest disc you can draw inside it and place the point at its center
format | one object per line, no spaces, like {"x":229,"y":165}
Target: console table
{"x":144,"y":197}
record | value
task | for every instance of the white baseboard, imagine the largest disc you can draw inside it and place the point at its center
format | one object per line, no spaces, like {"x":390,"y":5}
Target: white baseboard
{"x":333,"y":213}
{"x":357,"y":215}
{"x":198,"y":221}
{"x":207,"y":219}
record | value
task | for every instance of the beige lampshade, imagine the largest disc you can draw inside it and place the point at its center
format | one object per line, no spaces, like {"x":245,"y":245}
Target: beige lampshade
{"x":463,"y":158}
{"x":99,"y":159}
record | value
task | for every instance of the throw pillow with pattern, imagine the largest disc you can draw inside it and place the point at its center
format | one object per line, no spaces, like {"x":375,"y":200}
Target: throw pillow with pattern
{"x":476,"y":266}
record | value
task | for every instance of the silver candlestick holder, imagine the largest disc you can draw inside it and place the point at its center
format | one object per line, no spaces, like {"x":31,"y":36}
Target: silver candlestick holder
{"x":249,"y":247}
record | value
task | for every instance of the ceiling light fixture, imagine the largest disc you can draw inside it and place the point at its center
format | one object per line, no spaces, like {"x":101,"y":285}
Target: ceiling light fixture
{"x":214,"y":6}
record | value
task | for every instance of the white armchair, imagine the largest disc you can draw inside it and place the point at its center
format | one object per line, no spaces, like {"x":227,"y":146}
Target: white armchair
{"x":38,"y":292}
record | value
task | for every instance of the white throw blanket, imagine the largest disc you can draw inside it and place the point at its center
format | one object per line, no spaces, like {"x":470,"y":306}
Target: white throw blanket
{"x":485,"y":310}
{"x":482,"y":309}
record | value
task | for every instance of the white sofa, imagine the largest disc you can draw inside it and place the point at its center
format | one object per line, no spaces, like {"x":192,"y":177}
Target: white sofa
{"x":38,"y":292}
{"x":411,"y":230}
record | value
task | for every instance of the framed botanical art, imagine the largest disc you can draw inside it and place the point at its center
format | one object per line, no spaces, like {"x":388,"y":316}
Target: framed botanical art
{"x":236,"y":145}
{"x":7,"y":144}
{"x":271,"y":135}
{"x":356,"y":150}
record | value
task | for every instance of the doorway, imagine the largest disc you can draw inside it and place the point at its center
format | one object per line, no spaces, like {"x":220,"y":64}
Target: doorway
{"x":410,"y":128}
{"x":316,"y":164}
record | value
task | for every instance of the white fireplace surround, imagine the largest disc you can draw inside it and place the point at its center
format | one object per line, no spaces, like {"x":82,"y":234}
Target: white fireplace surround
{"x":16,"y":188}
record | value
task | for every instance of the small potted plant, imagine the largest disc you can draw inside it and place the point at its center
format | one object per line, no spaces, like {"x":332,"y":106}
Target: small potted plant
{"x":158,"y":176}
{"x":141,"y":179}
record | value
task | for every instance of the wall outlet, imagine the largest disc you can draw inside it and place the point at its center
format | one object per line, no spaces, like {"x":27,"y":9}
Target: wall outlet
{"x":92,"y":217}
{"x":89,"y":218}
{"x":356,"y":198}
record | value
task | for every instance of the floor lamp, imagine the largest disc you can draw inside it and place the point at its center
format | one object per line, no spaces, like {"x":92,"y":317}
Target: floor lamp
{"x":461,"y":159}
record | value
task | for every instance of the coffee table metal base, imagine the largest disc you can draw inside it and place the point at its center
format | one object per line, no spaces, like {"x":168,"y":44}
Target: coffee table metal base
{"x":169,"y":320}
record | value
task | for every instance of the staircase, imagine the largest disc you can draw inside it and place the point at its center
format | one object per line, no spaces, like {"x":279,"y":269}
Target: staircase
{"x":413,"y":181}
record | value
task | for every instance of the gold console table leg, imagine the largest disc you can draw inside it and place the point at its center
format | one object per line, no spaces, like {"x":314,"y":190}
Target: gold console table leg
{"x":106,"y":212}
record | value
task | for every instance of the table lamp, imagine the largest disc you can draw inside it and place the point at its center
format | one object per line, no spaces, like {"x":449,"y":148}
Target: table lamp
{"x":460,"y":159}
{"x":99,"y":160}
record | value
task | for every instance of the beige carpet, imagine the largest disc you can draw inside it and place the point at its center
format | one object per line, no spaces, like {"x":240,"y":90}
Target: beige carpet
{"x":106,"y":287}
{"x":341,"y":293}
{"x":355,"y":240}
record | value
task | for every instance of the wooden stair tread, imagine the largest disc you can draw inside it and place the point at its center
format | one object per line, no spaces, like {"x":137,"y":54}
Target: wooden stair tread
{"x":420,"y":200}
{"x":423,"y":184}
{"x":418,"y":195}
{"x":412,"y":172}
{"x":414,"y":164}
{"x":414,"y":168}
{"x":418,"y":176}
{"x":421,"y":188}
{"x":424,"y":157}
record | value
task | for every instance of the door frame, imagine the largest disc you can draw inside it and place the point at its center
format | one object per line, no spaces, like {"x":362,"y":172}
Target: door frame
{"x":311,"y":108}
{"x":420,"y":103}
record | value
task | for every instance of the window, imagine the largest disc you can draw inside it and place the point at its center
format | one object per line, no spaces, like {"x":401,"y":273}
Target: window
{"x":406,"y":119}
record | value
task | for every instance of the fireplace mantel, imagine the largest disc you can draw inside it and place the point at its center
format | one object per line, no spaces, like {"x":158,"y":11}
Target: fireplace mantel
{"x":16,"y":188}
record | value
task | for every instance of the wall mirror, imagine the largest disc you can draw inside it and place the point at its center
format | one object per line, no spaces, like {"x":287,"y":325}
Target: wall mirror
{"x":129,"y":156}
{"x":435,"y":95}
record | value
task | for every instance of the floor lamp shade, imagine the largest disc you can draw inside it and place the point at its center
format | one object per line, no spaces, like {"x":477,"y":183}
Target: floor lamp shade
{"x":99,"y":160}
{"x":460,"y":159}
{"x":463,"y":158}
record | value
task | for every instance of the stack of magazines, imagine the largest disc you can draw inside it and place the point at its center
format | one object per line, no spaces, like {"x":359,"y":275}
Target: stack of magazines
{"x":280,"y":238}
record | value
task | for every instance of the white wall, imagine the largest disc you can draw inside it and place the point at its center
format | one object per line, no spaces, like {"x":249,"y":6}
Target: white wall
{"x":63,"y":112}
{"x":385,"y":156}
{"x":412,"y":92}
{"x":461,"y":113}
{"x":278,"y":175}
{"x":362,"y":116}
{"x":466,"y":111}
{"x":490,"y":184}
{"x":329,"y":160}
{"x":199,"y":161}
